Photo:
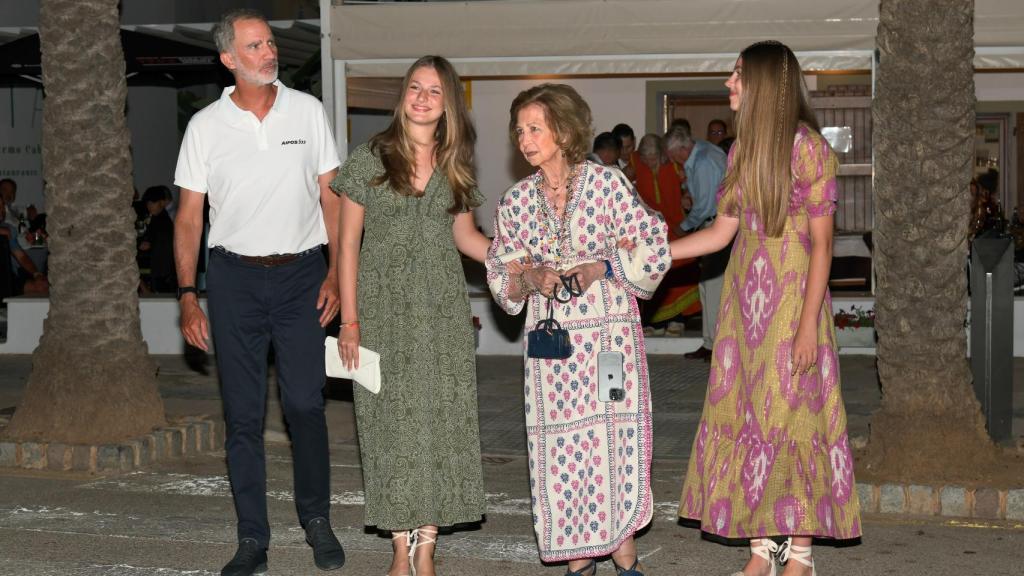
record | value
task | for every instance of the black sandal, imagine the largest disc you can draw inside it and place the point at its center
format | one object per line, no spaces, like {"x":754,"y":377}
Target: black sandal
{"x":588,"y":570}
{"x":631,"y":571}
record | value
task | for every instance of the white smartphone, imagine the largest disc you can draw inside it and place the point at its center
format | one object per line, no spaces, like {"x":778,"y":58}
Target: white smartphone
{"x":609,"y":377}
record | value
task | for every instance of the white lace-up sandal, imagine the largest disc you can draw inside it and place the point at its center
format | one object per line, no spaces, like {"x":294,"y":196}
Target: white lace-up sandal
{"x":767,"y":548}
{"x":801,"y":554}
{"x":409,"y":536}
{"x":420,"y":537}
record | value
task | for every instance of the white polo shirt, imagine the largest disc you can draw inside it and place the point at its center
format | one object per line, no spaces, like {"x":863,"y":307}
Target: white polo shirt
{"x":261,"y":177}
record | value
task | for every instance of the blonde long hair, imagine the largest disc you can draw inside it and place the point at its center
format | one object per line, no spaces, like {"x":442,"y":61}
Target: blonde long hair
{"x":772,"y":107}
{"x":455,"y":137}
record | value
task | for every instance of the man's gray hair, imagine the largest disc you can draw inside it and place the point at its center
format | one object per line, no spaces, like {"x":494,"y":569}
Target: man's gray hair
{"x":224,"y":30}
{"x":678,"y":136}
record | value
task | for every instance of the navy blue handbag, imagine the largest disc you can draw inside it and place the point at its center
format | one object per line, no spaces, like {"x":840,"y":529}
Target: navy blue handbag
{"x":548,"y":340}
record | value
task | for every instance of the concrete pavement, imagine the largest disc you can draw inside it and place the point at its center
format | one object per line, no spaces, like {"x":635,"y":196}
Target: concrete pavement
{"x":176,"y":517}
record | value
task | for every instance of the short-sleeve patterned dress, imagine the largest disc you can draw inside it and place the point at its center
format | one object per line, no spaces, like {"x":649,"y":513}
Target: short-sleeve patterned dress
{"x":771,"y":455}
{"x":419,"y":438}
{"x":590,"y":461}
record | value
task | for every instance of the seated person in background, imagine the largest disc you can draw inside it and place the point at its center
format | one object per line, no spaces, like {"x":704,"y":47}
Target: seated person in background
{"x":37,"y":228}
{"x":607,"y":149}
{"x":17,"y":217}
{"x":27,"y":279}
{"x":156,"y":245}
{"x":9,"y":193}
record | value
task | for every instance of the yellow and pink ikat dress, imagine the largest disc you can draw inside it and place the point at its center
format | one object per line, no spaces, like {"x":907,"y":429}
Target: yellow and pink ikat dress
{"x":772,"y":456}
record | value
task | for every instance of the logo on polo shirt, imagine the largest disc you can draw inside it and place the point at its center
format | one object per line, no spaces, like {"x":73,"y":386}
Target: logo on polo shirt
{"x":287,"y":142}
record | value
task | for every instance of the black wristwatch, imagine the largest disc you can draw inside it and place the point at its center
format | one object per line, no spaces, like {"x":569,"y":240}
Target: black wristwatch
{"x":182,"y":290}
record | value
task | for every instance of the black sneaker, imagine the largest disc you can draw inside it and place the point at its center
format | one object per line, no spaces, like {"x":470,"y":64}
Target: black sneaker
{"x":327,"y":551}
{"x":251,"y":558}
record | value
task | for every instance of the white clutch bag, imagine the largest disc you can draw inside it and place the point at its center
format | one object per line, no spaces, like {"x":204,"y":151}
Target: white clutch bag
{"x":368,"y":373}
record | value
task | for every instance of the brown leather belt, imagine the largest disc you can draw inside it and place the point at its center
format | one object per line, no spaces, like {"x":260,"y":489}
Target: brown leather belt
{"x":268,"y":261}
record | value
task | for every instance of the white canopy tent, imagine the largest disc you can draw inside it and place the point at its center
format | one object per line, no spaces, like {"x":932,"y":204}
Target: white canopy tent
{"x":516,"y":38}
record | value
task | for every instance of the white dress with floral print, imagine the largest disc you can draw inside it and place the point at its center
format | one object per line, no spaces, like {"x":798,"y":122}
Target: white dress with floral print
{"x":589,"y":460}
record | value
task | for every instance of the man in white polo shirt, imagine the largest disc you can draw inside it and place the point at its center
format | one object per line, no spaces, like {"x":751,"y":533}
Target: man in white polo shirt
{"x":263,"y":155}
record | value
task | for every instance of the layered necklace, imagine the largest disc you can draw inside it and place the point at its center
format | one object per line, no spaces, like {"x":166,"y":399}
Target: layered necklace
{"x":554,"y":223}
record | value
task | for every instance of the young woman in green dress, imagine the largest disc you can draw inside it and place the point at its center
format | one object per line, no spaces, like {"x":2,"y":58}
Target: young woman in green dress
{"x":406,"y":212}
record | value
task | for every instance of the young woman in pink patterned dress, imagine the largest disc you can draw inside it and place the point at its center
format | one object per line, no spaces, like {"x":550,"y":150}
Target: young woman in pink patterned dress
{"x":589,"y":460}
{"x":771,"y":457}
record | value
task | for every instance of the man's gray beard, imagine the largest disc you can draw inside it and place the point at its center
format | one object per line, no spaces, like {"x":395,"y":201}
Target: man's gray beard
{"x":257,"y":79}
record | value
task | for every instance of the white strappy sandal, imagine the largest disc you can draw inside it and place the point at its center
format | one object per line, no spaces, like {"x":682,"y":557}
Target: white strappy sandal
{"x":420,"y":537}
{"x":409,"y":536}
{"x":801,"y":554}
{"x":767,"y":548}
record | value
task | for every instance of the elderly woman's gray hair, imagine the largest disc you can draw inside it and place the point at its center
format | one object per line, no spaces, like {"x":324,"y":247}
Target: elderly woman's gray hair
{"x":651,"y":145}
{"x":678,"y":136}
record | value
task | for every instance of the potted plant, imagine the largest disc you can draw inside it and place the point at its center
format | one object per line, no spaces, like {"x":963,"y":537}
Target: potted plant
{"x":855,"y":328}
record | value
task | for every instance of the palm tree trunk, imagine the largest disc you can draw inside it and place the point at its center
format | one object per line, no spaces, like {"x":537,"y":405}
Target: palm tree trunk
{"x":930,"y":424}
{"x":92,"y":380}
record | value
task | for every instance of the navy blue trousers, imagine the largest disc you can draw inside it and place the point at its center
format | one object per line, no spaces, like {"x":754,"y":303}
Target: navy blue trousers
{"x":251,"y":307}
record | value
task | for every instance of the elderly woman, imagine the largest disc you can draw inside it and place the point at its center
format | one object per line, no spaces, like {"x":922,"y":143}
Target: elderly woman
{"x":659,"y":184}
{"x":589,"y":459}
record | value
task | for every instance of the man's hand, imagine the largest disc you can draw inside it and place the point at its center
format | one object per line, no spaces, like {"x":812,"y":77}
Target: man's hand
{"x":327,"y":300}
{"x":194,"y":326}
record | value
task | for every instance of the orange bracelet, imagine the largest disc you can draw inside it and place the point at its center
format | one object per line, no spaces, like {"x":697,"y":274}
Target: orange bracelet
{"x":352,"y":323}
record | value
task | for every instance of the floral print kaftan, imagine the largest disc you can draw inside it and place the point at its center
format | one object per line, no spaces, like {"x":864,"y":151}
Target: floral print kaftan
{"x":589,"y":460}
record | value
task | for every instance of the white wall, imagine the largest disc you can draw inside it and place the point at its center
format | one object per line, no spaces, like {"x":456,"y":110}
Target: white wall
{"x":999,"y":87}
{"x":499,"y":164}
